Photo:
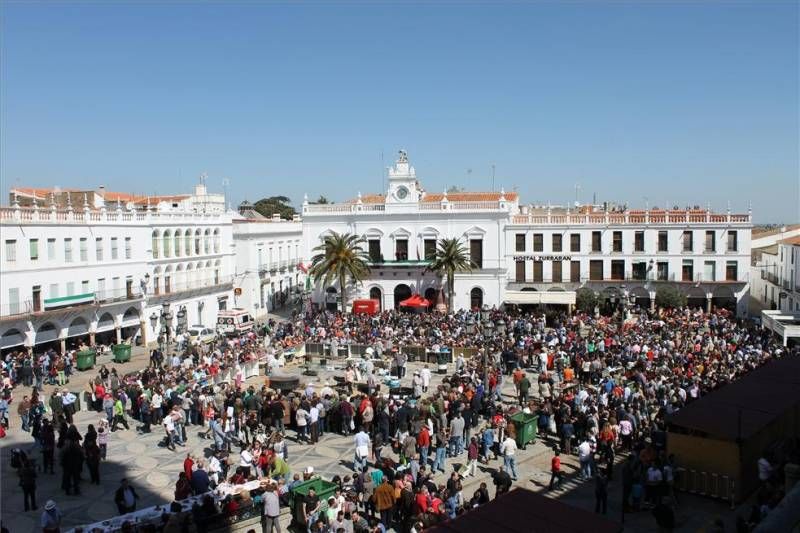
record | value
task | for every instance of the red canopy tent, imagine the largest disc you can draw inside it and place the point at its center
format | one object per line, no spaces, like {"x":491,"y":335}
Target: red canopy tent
{"x":416,"y":301}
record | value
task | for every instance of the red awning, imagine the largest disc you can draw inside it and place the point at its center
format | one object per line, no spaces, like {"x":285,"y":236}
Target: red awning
{"x":415,"y":301}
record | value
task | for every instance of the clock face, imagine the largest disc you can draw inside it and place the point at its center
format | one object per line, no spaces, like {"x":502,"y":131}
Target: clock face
{"x":402,"y":192}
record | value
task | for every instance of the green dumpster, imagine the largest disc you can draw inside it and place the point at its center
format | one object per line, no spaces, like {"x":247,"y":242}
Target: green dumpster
{"x":525,"y":425}
{"x":122,"y":352}
{"x":86,"y":359}
{"x":297,"y":496}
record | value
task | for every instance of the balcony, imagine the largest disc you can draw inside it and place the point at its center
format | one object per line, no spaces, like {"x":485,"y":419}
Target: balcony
{"x":400,"y":263}
{"x":187,"y":289}
{"x":51,"y":305}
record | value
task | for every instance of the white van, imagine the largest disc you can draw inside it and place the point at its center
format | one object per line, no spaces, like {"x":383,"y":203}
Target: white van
{"x":234,"y":322}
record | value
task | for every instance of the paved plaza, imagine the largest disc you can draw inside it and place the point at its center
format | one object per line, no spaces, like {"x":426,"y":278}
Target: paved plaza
{"x":153,"y":470}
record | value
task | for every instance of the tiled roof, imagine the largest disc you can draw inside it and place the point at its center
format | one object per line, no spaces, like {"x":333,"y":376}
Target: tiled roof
{"x":761,"y":232}
{"x":792,"y":240}
{"x":155,"y":199}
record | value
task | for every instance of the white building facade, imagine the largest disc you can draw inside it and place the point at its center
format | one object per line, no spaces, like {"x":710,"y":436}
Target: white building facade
{"x":776,"y":276}
{"x":268,"y":258}
{"x":111,"y":273}
{"x":534,"y":256}
{"x":629,"y":254}
{"x":402,"y":227}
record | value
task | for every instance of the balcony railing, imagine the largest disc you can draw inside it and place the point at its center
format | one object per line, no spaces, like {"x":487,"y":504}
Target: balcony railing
{"x":638,"y":218}
{"x":25,"y":307}
{"x":356,"y":208}
{"x":192,"y":285}
{"x":47,"y":215}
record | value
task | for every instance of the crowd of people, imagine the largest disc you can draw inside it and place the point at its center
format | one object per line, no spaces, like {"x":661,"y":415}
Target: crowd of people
{"x":597,"y":387}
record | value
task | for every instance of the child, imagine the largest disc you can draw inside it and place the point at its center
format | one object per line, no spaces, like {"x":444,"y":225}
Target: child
{"x":102,"y":438}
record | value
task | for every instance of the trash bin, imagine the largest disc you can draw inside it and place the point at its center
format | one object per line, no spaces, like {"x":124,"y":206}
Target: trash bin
{"x":86,"y":359}
{"x":324,"y":490}
{"x":442,"y":359}
{"x":525,"y":425}
{"x":122,"y":352}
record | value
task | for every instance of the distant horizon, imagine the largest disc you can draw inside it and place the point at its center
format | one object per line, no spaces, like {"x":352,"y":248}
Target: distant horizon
{"x":641,"y":103}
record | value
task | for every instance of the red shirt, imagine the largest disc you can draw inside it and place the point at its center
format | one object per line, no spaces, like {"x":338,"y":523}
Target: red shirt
{"x":424,"y":438}
{"x":187,"y":467}
{"x":555,"y":464}
{"x":422,"y":502}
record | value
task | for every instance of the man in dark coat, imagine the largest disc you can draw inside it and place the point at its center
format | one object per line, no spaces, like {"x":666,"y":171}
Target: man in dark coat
{"x":72,"y":465}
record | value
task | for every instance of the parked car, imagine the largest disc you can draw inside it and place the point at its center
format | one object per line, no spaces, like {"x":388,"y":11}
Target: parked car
{"x":201,"y":335}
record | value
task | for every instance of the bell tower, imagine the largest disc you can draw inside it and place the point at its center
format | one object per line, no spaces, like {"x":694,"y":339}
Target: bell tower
{"x":403,"y":186}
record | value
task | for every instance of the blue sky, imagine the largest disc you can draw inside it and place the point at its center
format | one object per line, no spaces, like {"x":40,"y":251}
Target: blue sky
{"x":685,"y":103}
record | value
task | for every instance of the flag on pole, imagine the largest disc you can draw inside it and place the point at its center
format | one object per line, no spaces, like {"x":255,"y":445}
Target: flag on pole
{"x":302,"y":267}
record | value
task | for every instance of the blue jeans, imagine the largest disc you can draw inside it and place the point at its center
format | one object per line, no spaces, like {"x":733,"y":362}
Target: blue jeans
{"x":24,"y":422}
{"x":423,"y":455}
{"x":456,"y":445}
{"x":109,"y":414}
{"x":359,"y":462}
{"x":586,"y":468}
{"x":438,"y":463}
{"x":510,"y":463}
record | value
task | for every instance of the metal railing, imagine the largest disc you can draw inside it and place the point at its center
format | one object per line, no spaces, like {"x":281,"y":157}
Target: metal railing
{"x":706,"y":484}
{"x":631,"y":217}
{"x":52,"y":215}
{"x":191,"y":285}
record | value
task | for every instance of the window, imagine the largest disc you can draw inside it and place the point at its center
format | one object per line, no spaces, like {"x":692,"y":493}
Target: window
{"x":731,"y":271}
{"x":596,"y":241}
{"x":70,"y":288}
{"x":54,"y":290}
{"x":68,"y":250}
{"x":51,"y":249}
{"x":429,"y":246}
{"x":596,"y":270}
{"x":538,"y":242}
{"x":13,"y":301}
{"x":616,"y":241}
{"x":85,"y":286}
{"x":11,"y":251}
{"x":197,"y":242}
{"x":115,"y":287}
{"x":84,"y":249}
{"x":167,"y":242}
{"x":374,"y":250}
{"x":98,"y":246}
{"x":662,"y":271}
{"x":476,"y":252}
{"x":114,"y":249}
{"x":154,"y":244}
{"x":575,"y":242}
{"x":177,"y":242}
{"x":127,"y":247}
{"x":688,"y":244}
{"x":711,"y":241}
{"x":618,"y":269}
{"x":639,"y":270}
{"x":638,"y":241}
{"x":710,"y":271}
{"x":520,"y":271}
{"x":687,"y":270}
{"x":520,"y":242}
{"x":575,"y":271}
{"x":537,"y":271}
{"x":401,"y":249}
{"x":34,"y":249}
{"x":101,"y":286}
{"x":557,"y":272}
{"x":662,"y":241}
{"x":557,"y":242}
{"x":733,"y":241}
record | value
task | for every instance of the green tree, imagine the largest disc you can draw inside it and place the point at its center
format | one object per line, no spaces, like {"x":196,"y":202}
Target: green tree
{"x":341,"y":258}
{"x":275,"y":204}
{"x":585,"y":300}
{"x":451,"y":257}
{"x":322,"y":200}
{"x":670,"y":297}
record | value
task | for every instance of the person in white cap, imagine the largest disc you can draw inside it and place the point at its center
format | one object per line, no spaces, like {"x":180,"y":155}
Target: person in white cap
{"x":51,"y":518}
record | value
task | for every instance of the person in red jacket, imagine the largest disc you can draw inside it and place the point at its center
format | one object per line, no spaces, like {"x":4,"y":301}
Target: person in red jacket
{"x":555,"y":471}
{"x":423,"y":444}
{"x":188,"y":463}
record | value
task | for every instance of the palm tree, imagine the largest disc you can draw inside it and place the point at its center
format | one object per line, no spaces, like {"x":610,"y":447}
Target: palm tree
{"x":451,"y":257}
{"x":340,"y":257}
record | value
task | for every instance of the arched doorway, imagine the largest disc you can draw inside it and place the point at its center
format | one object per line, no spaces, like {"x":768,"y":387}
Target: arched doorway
{"x":330,"y":298}
{"x":723,"y":298}
{"x":13,"y":339}
{"x":401,"y":292}
{"x":430,"y":295}
{"x":476,"y":298}
{"x":131,"y":325}
{"x":696,"y":298}
{"x":375,"y":294}
{"x":77,"y":333}
{"x":47,"y":336}
{"x":104,"y":333}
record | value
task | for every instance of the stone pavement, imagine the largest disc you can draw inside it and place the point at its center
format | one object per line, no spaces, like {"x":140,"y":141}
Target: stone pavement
{"x":153,"y":470}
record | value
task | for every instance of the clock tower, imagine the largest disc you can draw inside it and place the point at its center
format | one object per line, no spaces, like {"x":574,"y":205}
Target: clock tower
{"x":404,"y":190}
